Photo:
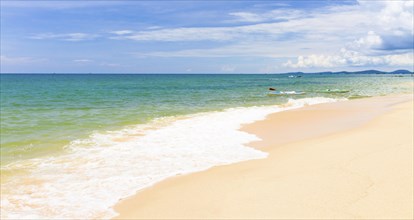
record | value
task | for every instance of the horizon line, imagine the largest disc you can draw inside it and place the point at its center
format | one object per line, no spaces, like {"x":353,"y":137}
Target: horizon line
{"x":181,"y":73}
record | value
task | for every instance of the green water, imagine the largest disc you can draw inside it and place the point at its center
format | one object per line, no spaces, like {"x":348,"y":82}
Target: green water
{"x":41,"y":114}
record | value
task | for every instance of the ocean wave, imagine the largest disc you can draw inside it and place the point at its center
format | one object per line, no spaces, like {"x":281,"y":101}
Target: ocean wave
{"x":95,"y":173}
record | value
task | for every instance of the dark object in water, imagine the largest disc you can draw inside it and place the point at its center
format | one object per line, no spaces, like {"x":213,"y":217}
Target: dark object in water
{"x":272,"y":89}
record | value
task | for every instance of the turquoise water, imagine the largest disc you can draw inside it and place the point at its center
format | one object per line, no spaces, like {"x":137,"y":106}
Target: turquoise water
{"x":72,"y":146}
{"x":40,"y":114}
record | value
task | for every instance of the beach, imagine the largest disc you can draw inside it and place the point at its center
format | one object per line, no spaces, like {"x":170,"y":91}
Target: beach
{"x":286,"y":109}
{"x":102,"y":139}
{"x":344,"y":160}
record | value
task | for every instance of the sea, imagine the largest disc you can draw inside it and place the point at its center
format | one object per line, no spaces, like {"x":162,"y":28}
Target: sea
{"x":73,"y":145}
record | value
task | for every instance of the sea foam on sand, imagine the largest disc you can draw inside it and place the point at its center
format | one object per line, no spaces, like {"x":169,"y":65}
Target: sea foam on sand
{"x":95,"y":173}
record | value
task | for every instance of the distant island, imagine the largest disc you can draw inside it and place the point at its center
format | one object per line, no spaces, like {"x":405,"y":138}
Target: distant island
{"x":358,"y":72}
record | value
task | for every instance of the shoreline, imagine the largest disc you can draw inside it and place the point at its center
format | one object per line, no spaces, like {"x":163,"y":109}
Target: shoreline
{"x":222,"y":190}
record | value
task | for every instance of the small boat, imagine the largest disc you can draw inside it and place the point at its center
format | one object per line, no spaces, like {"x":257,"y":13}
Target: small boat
{"x":293,"y":76}
{"x":334,"y":91}
{"x":286,"y":93}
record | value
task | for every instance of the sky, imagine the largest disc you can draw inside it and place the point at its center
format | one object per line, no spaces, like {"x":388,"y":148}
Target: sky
{"x":205,"y":36}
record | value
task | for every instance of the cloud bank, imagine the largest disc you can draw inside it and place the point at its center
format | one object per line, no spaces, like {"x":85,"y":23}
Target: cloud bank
{"x":389,"y":41}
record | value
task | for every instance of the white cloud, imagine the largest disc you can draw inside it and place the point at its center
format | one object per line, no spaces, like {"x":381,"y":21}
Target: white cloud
{"x":371,"y":34}
{"x":370,"y":41}
{"x":248,"y":49}
{"x":6,"y":60}
{"x":273,"y":15}
{"x":315,"y":60}
{"x":319,"y":24}
{"x":350,"y":58}
{"x":388,"y":40}
{"x":246,"y":17}
{"x":82,"y":61}
{"x":182,"y":34}
{"x":393,"y":15}
{"x":206,"y":33}
{"x":122,"y":32}
{"x":66,"y":37}
{"x":400,"y":59}
{"x":392,"y":26}
{"x":387,"y":25}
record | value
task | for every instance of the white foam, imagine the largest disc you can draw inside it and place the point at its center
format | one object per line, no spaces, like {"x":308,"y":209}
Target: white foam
{"x":94,"y":174}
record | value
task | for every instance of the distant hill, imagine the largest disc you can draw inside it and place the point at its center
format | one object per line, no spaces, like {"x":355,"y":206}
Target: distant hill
{"x":357,"y":72}
{"x":369,"y":72}
{"x":401,"y":72}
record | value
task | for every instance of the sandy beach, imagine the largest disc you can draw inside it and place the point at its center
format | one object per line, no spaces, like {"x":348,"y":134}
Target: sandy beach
{"x":349,"y":160}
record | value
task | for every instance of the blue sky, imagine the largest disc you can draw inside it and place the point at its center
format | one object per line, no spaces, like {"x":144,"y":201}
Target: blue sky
{"x":205,"y":36}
